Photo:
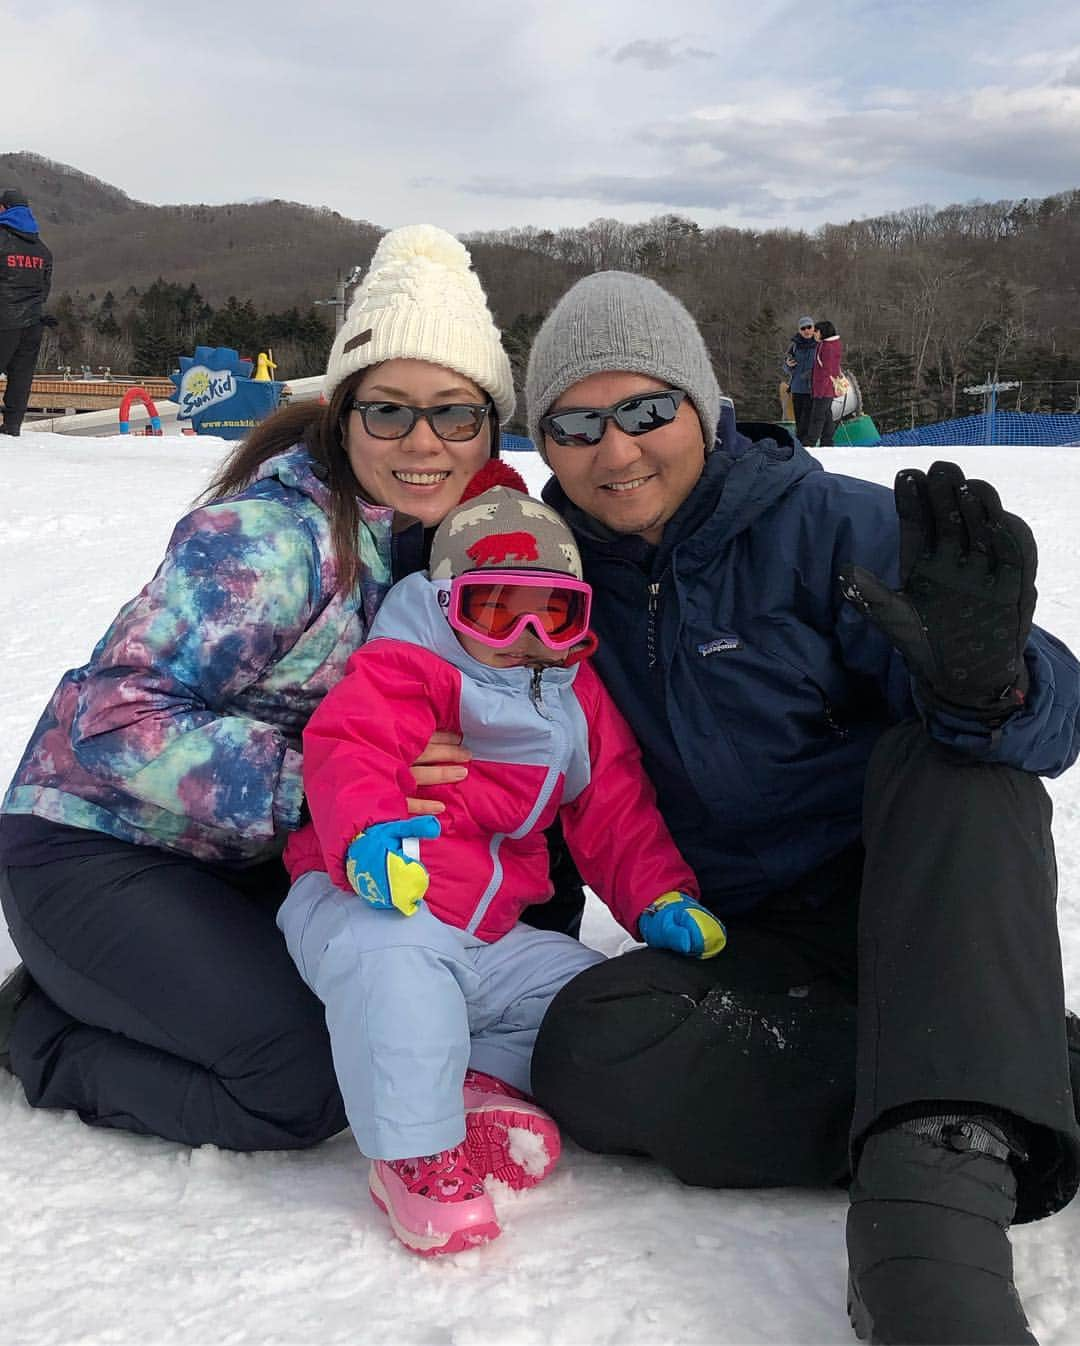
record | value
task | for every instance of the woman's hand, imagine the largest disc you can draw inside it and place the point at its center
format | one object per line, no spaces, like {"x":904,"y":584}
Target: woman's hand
{"x":442,"y":762}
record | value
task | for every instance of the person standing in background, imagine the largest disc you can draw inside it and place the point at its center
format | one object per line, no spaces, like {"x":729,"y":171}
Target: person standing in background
{"x":25,"y":279}
{"x":826,"y":369}
{"x":799,"y":372}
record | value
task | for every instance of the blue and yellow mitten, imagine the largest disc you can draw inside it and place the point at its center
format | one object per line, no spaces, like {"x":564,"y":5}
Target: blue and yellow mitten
{"x":676,"y":922}
{"x":378,"y":868}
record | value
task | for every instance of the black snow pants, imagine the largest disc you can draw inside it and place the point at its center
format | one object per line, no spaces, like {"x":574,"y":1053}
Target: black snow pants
{"x":18,"y":358}
{"x":932,"y":973}
{"x":820,"y":426}
{"x":166,"y":1002}
{"x":803,"y":403}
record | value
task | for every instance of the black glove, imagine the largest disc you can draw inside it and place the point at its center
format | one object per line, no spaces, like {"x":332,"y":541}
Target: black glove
{"x":962,"y":615}
{"x":47,"y":320}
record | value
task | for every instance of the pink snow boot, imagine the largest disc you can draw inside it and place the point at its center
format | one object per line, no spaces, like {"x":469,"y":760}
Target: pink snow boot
{"x":437,"y":1204}
{"x":506,"y":1135}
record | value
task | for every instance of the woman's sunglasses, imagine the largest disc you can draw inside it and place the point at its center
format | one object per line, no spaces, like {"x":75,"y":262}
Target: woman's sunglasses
{"x":456,"y":422}
{"x":585,"y":426}
{"x":496,"y":609}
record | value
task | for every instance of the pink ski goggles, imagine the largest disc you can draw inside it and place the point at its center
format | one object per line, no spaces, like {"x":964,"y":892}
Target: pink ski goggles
{"x":495,"y":607}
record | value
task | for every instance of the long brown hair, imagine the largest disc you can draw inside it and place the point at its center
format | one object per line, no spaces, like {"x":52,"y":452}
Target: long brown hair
{"x":320,"y":427}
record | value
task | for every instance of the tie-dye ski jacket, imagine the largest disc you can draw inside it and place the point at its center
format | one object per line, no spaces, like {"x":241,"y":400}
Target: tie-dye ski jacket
{"x":183,"y":730}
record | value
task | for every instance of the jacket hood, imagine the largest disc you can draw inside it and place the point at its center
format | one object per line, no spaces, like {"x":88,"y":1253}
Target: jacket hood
{"x":751,"y":466}
{"x":411,"y":611}
{"x":20,"y":220}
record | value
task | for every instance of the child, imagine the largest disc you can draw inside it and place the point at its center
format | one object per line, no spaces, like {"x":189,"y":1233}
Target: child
{"x":407,"y":928}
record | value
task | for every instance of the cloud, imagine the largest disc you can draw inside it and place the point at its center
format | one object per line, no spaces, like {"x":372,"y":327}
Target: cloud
{"x":772,"y":159}
{"x":738,"y":193}
{"x":659,"y":53}
{"x":482,"y":115}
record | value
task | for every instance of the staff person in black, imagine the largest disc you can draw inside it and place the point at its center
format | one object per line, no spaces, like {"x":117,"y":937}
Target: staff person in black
{"x":25,"y":280}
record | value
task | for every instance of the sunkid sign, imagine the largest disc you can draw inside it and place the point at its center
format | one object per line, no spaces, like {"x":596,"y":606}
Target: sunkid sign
{"x":215,"y":392}
{"x":201,"y":388}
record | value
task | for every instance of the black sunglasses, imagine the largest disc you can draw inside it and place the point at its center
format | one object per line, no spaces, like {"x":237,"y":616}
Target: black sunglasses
{"x":455,"y":422}
{"x":585,"y":426}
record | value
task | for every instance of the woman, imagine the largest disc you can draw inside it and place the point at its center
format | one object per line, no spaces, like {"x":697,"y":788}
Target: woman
{"x":821,"y":426}
{"x":140,"y":838}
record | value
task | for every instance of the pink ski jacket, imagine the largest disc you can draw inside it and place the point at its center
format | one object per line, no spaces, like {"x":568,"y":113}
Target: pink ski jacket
{"x":543,"y":744}
{"x":826,"y":367}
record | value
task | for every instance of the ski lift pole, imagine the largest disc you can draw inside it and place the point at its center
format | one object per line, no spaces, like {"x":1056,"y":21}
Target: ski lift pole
{"x":340,"y":301}
{"x":990,"y":390}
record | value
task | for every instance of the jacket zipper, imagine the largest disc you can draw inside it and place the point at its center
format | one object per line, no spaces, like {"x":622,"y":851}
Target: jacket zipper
{"x":536,"y":693}
{"x":556,"y":767}
{"x":650,"y":636}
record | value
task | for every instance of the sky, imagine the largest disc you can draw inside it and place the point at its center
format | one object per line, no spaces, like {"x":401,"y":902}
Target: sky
{"x":111,"y":1238}
{"x":488,"y":114}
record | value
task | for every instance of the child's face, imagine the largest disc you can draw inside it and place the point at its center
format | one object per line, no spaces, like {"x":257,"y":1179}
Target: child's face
{"x":527,"y":651}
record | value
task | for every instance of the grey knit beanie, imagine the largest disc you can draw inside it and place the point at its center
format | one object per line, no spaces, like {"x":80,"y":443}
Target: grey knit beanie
{"x":617,"y":322}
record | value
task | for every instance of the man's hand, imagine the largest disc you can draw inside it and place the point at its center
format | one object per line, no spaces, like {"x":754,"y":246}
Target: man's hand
{"x":443,"y":762}
{"x":963,"y":612}
{"x":379,"y":870}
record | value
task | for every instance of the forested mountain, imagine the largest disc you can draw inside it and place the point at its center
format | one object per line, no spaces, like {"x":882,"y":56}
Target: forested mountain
{"x":926,"y":301}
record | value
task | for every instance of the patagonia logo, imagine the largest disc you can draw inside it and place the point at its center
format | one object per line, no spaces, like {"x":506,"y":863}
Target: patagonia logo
{"x":719,"y":646}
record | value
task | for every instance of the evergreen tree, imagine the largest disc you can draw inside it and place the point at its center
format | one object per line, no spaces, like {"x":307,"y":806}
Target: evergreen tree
{"x":759,"y":360}
{"x":517,"y":342}
{"x":239,"y":326}
{"x":886,"y":378}
{"x":155,"y":351}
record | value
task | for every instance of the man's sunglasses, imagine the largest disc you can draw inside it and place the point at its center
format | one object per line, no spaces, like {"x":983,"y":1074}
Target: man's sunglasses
{"x":585,"y":426}
{"x":496,"y":608}
{"x":456,"y":422}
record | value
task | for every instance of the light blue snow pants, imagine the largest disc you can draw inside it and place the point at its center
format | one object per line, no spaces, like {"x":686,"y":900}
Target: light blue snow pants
{"x":412,"y":1002}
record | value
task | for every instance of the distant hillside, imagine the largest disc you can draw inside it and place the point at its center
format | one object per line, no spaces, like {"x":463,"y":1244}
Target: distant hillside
{"x":926,"y":301}
{"x":61,"y":194}
{"x":275,"y":253}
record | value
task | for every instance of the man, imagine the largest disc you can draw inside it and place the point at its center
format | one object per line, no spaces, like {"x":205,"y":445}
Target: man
{"x":25,"y":278}
{"x":843,"y":716}
{"x":798,"y":371}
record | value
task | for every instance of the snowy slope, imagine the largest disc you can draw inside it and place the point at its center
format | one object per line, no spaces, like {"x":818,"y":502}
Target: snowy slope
{"x":108,"y":1238}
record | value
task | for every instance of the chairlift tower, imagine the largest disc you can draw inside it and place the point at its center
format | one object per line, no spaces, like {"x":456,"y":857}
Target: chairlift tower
{"x":340,"y":301}
{"x":990,"y":390}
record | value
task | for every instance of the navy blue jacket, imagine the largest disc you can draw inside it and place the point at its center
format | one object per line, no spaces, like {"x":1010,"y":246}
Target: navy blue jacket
{"x":756,"y":691}
{"x":803,"y":350}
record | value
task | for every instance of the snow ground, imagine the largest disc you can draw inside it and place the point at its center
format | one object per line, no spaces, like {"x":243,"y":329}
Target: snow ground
{"x":112,"y":1239}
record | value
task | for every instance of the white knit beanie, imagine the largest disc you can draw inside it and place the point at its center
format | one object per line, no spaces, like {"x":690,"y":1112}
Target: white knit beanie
{"x":421,"y":300}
